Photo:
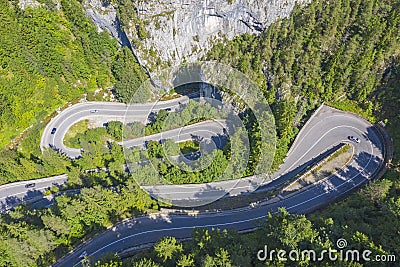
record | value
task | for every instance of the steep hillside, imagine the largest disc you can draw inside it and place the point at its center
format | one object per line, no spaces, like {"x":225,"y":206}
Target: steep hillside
{"x":167,"y":33}
{"x":48,"y":57}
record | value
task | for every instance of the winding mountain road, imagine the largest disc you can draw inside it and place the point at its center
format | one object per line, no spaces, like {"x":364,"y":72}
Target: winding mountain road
{"x":327,"y":128}
{"x":101,"y":112}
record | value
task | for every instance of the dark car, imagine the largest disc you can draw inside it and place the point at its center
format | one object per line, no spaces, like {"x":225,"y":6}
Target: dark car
{"x":53,"y":131}
{"x":30,"y":185}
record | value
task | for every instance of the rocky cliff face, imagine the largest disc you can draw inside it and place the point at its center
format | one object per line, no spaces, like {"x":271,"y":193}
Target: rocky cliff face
{"x":183,"y":30}
{"x":104,"y":15}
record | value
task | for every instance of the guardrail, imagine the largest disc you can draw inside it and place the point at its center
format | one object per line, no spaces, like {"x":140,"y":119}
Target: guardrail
{"x":388,"y":147}
{"x":379,"y":172}
{"x":323,"y":158}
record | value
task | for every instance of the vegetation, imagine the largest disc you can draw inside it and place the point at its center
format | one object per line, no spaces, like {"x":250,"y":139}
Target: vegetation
{"x":164,"y":121}
{"x":130,"y":75}
{"x":100,"y":150}
{"x":215,"y":247}
{"x":74,"y":130}
{"x":221,"y":164}
{"x":128,"y":15}
{"x":344,"y":52}
{"x":209,"y":168}
{"x":107,"y":195}
{"x":49,"y":57}
{"x":195,"y":112}
{"x":192,"y":113}
{"x":328,"y":51}
{"x":189,"y":147}
{"x":38,"y":237}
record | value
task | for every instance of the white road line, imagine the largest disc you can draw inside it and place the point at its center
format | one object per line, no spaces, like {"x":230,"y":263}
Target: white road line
{"x":22,"y":193}
{"x":224,"y":224}
{"x":99,"y":106}
{"x":361,"y":174}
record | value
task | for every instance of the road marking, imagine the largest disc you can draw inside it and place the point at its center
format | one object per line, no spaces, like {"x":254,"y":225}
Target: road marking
{"x":99,"y":106}
{"x":287,"y":170}
{"x":316,"y":187}
{"x":21,"y":193}
{"x":228,"y":223}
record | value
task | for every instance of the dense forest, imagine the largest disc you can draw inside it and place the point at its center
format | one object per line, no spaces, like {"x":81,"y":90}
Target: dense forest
{"x":30,"y":237}
{"x":51,"y":55}
{"x":368,"y":220}
{"x":48,"y":58}
{"x":339,"y":52}
{"x":343,"y":52}
{"x":107,"y":194}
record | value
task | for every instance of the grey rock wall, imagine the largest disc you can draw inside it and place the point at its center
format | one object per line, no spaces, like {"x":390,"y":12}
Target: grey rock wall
{"x":184,"y":30}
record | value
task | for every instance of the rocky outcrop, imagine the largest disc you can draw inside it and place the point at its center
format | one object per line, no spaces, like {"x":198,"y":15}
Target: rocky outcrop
{"x":179,"y":31}
{"x":23,"y":4}
{"x":184,"y":30}
{"x":104,"y":15}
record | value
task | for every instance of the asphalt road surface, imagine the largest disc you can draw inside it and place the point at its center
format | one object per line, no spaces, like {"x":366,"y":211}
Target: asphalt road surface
{"x":13,"y":194}
{"x":99,"y":111}
{"x":203,"y":130}
{"x":327,"y":128}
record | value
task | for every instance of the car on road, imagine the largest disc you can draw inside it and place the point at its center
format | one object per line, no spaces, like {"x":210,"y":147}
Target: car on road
{"x":53,"y":131}
{"x":83,"y":254}
{"x":354,"y":139}
{"x":94,"y":111}
{"x":30,"y":185}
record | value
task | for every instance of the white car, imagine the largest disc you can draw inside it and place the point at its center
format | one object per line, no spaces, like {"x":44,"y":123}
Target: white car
{"x":354,"y":139}
{"x":94,"y":111}
{"x":83,"y":254}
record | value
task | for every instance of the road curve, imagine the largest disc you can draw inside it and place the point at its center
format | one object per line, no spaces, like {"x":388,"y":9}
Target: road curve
{"x":13,"y":194}
{"x":99,"y":111}
{"x":206,"y":129}
{"x":327,"y":128}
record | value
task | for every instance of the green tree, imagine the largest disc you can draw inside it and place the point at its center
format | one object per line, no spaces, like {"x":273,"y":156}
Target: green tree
{"x":167,"y":248}
{"x":185,"y":261}
{"x":114,"y":128}
{"x":129,"y":75}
